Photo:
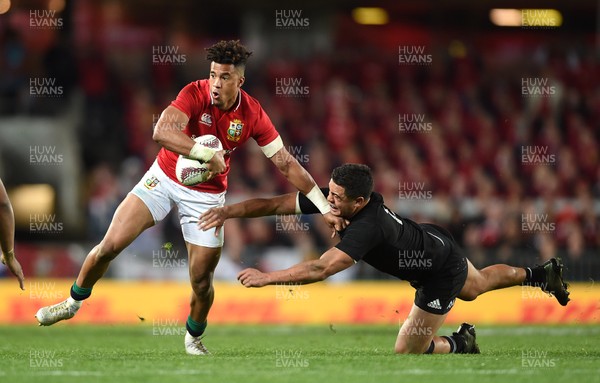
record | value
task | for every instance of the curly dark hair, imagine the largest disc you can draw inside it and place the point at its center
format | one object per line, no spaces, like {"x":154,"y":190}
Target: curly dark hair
{"x":228,"y":52}
{"x":356,"y":179}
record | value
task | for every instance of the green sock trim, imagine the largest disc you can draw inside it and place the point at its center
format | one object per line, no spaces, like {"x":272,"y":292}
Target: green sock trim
{"x":81,"y":290}
{"x":195,"y":328}
{"x":80,"y":293}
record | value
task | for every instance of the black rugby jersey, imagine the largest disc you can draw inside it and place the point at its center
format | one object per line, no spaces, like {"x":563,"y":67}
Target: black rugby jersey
{"x":392,"y":244}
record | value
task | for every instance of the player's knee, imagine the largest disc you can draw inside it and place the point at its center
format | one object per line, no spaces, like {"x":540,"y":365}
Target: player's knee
{"x":473,"y":289}
{"x":469,"y":295}
{"x":401,"y":349}
{"x":201,"y":285}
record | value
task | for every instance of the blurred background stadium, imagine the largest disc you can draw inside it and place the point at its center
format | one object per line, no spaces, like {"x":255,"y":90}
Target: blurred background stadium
{"x":483,"y":120}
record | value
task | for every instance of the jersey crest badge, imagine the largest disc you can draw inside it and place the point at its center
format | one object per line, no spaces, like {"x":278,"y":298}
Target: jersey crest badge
{"x":234,"y":133}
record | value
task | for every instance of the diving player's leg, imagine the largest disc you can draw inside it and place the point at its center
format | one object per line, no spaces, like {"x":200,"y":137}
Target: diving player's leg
{"x":547,"y":276}
{"x":130,"y":219}
{"x":490,"y":278}
{"x":417,"y":332}
{"x":434,"y":298}
{"x":417,"y":335}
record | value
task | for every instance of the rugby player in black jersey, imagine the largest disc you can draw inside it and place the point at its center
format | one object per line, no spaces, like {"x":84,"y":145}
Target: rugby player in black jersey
{"x":426,"y":255}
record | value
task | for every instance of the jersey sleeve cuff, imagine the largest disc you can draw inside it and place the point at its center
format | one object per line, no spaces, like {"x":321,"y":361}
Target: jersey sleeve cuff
{"x":298,"y":209}
{"x":273,"y":147}
{"x":180,"y":108}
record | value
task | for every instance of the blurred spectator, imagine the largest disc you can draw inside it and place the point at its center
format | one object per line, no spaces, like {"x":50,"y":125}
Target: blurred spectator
{"x":12,"y":66}
{"x":104,"y":197}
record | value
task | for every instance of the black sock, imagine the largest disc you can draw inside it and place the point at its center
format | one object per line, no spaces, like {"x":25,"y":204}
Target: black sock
{"x":430,"y":349}
{"x":457,"y":343}
{"x":535,"y":276}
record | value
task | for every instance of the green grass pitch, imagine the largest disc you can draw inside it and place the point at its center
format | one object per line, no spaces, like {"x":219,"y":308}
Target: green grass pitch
{"x":278,"y":353}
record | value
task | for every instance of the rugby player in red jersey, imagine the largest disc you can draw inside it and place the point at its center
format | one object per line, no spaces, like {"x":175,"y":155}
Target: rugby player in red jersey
{"x":216,"y":106}
{"x":426,"y":255}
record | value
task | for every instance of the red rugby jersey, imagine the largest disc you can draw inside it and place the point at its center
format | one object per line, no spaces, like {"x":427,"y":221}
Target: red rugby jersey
{"x":245,"y":120}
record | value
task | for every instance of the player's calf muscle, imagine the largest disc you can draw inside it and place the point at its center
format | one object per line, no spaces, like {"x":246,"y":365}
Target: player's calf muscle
{"x":490,"y":278}
{"x":412,"y":344}
{"x":105,"y":251}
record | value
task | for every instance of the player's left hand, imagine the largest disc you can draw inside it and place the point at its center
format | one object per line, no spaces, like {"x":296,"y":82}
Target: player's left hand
{"x":216,"y":165}
{"x":14,"y":266}
{"x":213,"y":217}
{"x":336,"y":223}
{"x":253,"y":278}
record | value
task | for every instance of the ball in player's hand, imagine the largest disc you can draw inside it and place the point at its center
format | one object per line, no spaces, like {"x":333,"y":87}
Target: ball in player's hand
{"x":192,"y":172}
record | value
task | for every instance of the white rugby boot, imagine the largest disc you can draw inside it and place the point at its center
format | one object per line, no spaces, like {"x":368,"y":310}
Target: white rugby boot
{"x":193,"y":345}
{"x":64,"y":310}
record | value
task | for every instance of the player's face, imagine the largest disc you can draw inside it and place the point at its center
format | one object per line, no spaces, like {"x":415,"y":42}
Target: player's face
{"x":225,"y":82}
{"x":341,"y":205}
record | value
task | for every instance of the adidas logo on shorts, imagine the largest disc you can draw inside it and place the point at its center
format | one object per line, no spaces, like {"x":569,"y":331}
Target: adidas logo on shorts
{"x":451,"y":304}
{"x":435,"y":304}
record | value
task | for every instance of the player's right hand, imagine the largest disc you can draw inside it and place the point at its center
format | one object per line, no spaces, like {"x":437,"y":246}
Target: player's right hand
{"x":253,"y":278}
{"x":336,"y":223}
{"x":216,"y":165}
{"x":213,"y":217}
{"x":14,"y":266}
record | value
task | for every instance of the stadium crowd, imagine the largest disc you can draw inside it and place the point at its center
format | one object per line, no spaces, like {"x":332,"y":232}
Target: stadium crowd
{"x":514,"y":176}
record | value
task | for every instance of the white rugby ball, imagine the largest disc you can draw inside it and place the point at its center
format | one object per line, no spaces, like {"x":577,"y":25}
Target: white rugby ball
{"x":192,"y":172}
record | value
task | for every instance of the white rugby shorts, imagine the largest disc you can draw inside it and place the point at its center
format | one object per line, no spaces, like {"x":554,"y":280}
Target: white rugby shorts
{"x":161,"y":194}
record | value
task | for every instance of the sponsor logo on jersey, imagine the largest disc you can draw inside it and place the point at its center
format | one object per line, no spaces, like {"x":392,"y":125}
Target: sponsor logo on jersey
{"x":451,"y":304}
{"x":151,"y":183}
{"x":206,"y":119}
{"x":234,"y":133}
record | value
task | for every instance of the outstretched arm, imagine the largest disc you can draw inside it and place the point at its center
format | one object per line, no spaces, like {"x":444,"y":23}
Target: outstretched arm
{"x":331,"y":262}
{"x":303,"y":181}
{"x":258,"y":207}
{"x":7,"y":237}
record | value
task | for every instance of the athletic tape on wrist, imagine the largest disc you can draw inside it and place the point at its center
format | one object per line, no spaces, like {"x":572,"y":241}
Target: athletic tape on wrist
{"x":201,"y":152}
{"x":318,"y":199}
